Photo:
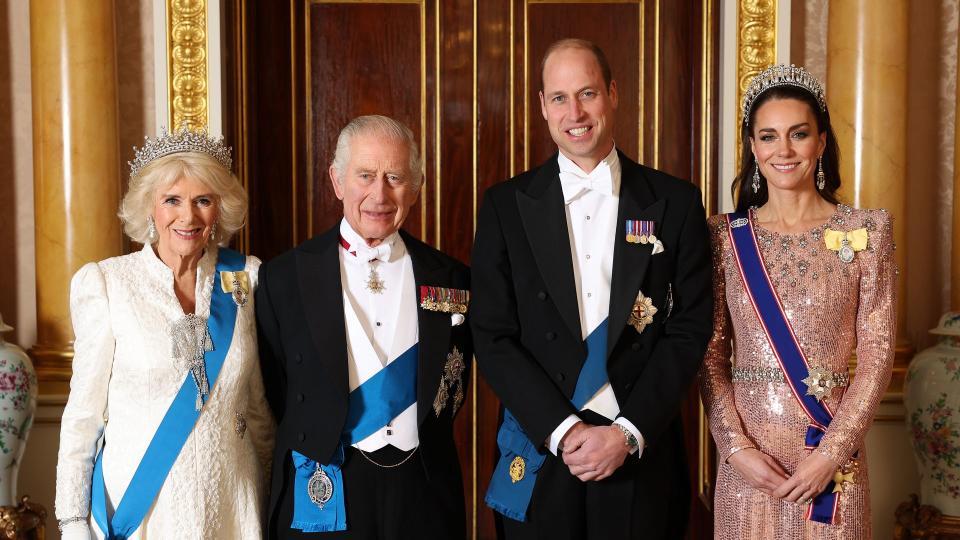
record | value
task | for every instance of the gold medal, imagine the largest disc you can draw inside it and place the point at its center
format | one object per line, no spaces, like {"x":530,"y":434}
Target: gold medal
{"x":518,"y":467}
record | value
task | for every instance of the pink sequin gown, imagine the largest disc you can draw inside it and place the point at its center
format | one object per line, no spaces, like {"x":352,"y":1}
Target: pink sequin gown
{"x":835,"y":308}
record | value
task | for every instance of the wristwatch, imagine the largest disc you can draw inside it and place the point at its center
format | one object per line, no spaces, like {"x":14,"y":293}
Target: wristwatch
{"x":630,"y":441}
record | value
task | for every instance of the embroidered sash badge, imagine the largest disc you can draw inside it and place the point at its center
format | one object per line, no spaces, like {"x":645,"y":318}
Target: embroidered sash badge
{"x":518,"y":467}
{"x":237,"y":283}
{"x":642,"y":313}
{"x":452,"y":375}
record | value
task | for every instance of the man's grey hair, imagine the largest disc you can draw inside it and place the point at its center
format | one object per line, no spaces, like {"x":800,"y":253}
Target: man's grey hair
{"x":380,"y":125}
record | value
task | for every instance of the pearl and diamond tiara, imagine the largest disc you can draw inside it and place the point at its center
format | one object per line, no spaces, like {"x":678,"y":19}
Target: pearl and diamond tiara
{"x":182,"y":140}
{"x":782,"y":75}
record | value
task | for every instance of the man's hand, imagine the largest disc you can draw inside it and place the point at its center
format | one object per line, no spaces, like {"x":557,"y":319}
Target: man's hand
{"x":758,"y":469}
{"x":594,"y":452}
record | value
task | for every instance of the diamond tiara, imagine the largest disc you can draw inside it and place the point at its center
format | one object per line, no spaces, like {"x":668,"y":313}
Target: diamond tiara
{"x":782,"y":75}
{"x":183,"y":140}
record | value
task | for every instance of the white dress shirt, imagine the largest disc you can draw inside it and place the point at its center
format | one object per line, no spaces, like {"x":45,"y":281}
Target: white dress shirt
{"x":591,"y":201}
{"x":380,"y":326}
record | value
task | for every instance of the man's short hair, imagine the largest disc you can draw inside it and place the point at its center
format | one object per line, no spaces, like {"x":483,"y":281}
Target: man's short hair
{"x":382,"y":125}
{"x":576,"y":43}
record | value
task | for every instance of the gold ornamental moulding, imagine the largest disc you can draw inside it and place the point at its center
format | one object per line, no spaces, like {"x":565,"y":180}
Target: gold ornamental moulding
{"x":187,"y":61}
{"x":756,"y":48}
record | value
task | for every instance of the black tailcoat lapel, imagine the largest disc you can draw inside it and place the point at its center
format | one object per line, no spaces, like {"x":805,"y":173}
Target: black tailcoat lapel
{"x":545,"y":222}
{"x":630,"y":261}
{"x":434,"y":326}
{"x":318,"y":273}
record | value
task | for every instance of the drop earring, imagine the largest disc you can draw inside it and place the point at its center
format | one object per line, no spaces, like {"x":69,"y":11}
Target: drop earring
{"x":213,"y":233}
{"x":821,"y":180}
{"x":151,"y":230}
{"x":756,"y":179}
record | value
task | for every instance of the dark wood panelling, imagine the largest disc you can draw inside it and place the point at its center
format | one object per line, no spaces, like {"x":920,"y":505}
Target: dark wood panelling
{"x":357,"y":65}
{"x":311,"y":66}
{"x":616,"y":29}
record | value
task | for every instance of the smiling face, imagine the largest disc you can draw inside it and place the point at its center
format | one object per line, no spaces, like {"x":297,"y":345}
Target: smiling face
{"x":578,"y":106}
{"x":786,"y":144}
{"x":376,"y":185}
{"x":184,"y":213}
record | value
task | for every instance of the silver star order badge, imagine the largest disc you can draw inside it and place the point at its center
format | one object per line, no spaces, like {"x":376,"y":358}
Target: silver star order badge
{"x":819,"y":382}
{"x":374,"y":283}
{"x":642,"y":313}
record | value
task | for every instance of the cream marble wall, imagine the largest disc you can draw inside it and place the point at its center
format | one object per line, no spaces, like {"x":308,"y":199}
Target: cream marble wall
{"x":134,"y":33}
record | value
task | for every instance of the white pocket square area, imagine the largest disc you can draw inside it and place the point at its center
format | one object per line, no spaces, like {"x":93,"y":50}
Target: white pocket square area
{"x":657,"y":247}
{"x":457,"y":319}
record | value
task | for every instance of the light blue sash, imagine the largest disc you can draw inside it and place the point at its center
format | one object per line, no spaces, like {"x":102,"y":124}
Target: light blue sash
{"x":785,"y":346}
{"x":370,"y":407}
{"x":177,"y":423}
{"x":512,"y":498}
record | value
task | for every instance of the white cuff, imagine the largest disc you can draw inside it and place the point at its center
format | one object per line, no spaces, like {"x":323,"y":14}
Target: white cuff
{"x":554,"y":441}
{"x":76,"y":530}
{"x":636,"y":433}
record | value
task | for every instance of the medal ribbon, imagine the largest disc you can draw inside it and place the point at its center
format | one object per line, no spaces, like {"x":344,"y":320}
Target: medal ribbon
{"x":512,"y":498}
{"x":786,"y":348}
{"x":177,"y":423}
{"x":370,"y":407}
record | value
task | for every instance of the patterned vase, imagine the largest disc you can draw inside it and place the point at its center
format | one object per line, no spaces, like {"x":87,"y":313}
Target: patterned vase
{"x":18,"y":403}
{"x":932,"y":401}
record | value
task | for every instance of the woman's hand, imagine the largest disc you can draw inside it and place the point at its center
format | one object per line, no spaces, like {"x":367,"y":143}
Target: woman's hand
{"x":758,"y":469}
{"x":809,"y":480}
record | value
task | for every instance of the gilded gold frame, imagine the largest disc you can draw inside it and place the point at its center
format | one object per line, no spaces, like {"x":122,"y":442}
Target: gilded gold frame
{"x":187,"y":84}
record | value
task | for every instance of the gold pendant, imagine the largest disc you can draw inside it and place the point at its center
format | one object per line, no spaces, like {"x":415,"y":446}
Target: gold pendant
{"x":840,"y":479}
{"x":374,"y":283}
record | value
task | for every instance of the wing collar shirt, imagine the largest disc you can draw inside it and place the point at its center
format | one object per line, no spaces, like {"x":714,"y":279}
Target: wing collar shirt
{"x":384,"y":325}
{"x":591,"y":201}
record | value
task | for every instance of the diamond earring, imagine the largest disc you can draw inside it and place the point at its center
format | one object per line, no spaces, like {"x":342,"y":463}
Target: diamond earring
{"x":756,"y":179}
{"x":213,"y":232}
{"x":151,"y":230}
{"x":821,"y":180}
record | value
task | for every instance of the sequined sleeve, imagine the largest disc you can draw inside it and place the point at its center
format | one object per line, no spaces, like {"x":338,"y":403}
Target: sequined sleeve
{"x":876,"y":334}
{"x":716,"y":386}
{"x":82,"y":422}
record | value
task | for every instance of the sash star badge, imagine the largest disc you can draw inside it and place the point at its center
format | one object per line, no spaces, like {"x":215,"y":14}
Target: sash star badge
{"x":642,"y":313}
{"x":452,"y":375}
{"x":841,"y":479}
{"x":236,"y":283}
{"x":819,"y":382}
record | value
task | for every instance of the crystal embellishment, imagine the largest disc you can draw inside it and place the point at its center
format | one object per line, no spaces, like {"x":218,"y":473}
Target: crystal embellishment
{"x":190,"y":339}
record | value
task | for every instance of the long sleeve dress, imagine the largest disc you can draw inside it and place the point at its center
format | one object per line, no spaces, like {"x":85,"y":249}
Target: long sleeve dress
{"x":834,"y":308}
{"x":125,"y":377}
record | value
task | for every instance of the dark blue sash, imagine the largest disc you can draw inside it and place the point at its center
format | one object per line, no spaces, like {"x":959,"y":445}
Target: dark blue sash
{"x":177,"y":423}
{"x":512,"y":498}
{"x":370,"y":407}
{"x":786,"y":347}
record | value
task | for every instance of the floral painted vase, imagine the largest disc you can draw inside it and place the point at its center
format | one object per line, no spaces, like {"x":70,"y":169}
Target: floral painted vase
{"x":18,"y":403}
{"x":932,"y":400}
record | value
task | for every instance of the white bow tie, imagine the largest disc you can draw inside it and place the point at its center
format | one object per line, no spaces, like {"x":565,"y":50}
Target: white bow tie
{"x":574,"y":183}
{"x":365,"y":253}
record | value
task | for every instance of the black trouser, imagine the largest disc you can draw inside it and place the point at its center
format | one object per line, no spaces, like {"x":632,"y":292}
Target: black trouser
{"x":396,"y":503}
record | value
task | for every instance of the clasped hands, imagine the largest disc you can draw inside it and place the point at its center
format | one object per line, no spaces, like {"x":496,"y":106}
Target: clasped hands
{"x":765,"y":474}
{"x":593,"y":452}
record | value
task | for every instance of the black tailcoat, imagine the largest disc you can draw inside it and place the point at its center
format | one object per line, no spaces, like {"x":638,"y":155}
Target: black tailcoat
{"x":526,"y":327}
{"x":303,"y":357}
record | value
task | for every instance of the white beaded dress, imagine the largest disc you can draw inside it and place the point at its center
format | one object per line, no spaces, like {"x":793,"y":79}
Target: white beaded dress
{"x":125,"y":377}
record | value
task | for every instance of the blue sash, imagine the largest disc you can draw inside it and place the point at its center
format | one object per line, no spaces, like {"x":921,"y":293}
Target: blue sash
{"x":177,"y":423}
{"x":786,"y":347}
{"x":512,"y":498}
{"x":370,"y":407}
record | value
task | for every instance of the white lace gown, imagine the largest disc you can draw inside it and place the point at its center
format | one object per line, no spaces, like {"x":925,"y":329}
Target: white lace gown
{"x":124,"y":379}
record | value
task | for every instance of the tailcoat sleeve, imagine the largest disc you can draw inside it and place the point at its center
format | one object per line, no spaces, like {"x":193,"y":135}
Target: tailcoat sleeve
{"x":716,"y":382}
{"x":876,"y":335}
{"x":658,"y":393}
{"x":511,"y":369}
{"x":83,"y":417}
{"x":269,"y":344}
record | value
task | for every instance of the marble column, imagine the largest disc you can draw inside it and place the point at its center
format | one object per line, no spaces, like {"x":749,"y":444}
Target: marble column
{"x":75,"y":161}
{"x":867,"y":96}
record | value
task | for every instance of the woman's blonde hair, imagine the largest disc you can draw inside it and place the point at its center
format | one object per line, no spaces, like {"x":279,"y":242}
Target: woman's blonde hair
{"x":138,"y":203}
